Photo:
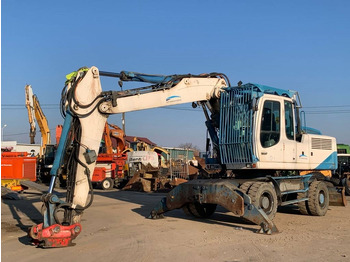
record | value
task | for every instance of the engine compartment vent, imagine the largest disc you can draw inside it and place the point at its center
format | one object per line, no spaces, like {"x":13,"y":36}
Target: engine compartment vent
{"x":321,"y":143}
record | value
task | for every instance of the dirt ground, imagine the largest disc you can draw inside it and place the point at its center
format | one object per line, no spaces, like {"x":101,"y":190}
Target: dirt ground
{"x":115,"y":229}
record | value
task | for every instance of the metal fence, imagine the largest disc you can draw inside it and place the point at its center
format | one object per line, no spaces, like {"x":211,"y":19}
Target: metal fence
{"x":179,"y":167}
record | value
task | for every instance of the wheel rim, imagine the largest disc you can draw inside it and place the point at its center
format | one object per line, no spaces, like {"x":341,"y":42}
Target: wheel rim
{"x":321,"y":198}
{"x":106,"y":184}
{"x":266,"y":202}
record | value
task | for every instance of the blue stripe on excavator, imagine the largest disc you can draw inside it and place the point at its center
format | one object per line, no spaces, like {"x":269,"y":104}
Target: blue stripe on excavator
{"x":330,"y":163}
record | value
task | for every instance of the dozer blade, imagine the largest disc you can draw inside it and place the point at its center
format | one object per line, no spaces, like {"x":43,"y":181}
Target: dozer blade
{"x":337,"y":196}
{"x":221,"y":192}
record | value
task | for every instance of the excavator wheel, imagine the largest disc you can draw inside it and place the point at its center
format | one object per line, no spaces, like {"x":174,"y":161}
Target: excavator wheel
{"x":245,"y":186}
{"x":303,"y":206}
{"x":187,"y":210}
{"x":318,"y":198}
{"x":263,"y":195}
{"x":199,"y":210}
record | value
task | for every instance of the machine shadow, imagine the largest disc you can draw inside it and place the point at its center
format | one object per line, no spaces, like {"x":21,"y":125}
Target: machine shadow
{"x":19,"y":207}
{"x":289,"y":209}
{"x":148,"y":201}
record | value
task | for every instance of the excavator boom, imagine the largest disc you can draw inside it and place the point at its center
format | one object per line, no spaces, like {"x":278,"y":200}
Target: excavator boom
{"x":31,"y":115}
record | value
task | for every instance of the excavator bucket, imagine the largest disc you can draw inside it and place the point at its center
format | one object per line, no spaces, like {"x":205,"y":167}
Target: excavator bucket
{"x":220,"y":192}
{"x":131,"y":183}
{"x":337,"y":196}
{"x":143,"y":184}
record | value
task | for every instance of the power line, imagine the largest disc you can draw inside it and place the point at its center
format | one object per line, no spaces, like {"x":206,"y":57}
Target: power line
{"x":325,"y":106}
{"x":18,"y":134}
{"x":24,"y":105}
{"x":26,"y":109}
{"x":327,"y":112}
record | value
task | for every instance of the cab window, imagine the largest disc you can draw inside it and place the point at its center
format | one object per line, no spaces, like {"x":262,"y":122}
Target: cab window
{"x":270,"y":124}
{"x":288,"y":111}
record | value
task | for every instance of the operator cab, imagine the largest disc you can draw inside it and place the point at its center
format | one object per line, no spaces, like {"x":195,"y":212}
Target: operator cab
{"x":260,"y":129}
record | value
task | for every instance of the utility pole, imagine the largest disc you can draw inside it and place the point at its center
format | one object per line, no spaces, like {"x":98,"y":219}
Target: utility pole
{"x":123,"y":114}
{"x":2,"y":132}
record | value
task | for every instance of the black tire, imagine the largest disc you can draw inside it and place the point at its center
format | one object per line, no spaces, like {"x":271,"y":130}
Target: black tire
{"x":346,"y":183}
{"x":107,"y":184}
{"x":245,"y":186}
{"x":318,"y":176}
{"x":303,"y":206}
{"x":318,"y":198}
{"x":263,"y":195}
{"x":201,"y":210}
{"x":187,"y":210}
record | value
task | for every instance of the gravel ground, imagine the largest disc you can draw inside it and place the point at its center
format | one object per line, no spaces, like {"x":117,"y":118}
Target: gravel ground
{"x":115,"y":229}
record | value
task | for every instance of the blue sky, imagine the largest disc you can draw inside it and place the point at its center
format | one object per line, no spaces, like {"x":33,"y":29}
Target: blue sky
{"x":299,"y":45}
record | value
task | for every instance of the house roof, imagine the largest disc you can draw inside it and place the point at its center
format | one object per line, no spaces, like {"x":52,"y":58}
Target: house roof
{"x":131,"y":139}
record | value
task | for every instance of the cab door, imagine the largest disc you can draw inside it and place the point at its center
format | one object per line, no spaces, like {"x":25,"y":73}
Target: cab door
{"x":288,"y":134}
{"x":270,"y":147}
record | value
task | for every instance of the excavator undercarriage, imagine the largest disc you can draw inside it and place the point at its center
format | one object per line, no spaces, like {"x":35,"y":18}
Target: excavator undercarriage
{"x":200,"y":197}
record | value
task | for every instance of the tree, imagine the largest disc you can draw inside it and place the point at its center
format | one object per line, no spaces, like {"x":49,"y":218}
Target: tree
{"x":189,"y":145}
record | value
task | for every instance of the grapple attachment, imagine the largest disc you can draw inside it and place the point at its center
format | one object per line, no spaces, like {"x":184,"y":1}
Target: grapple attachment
{"x":52,"y":233}
{"x":55,"y":235}
{"x":221,"y":192}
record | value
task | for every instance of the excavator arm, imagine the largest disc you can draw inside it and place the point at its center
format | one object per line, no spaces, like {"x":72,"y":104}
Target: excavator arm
{"x":107,"y":139}
{"x":43,"y":125}
{"x":31,"y":115}
{"x":113,"y":138}
{"x":117,"y":137}
{"x":86,"y":108}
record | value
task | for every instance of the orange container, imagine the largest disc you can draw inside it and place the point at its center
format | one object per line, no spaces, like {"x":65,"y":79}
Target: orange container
{"x":18,"y":165}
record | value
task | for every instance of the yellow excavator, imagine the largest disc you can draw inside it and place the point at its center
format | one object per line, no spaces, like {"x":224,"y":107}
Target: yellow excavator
{"x":47,"y":150}
{"x":35,"y":112}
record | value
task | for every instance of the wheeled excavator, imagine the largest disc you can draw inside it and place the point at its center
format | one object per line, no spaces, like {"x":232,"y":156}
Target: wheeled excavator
{"x":263,"y":156}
